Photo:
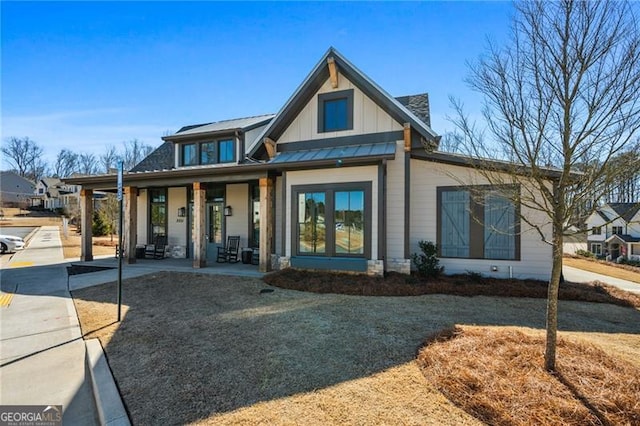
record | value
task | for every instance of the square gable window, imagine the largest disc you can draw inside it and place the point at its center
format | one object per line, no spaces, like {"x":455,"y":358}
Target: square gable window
{"x":335,"y":111}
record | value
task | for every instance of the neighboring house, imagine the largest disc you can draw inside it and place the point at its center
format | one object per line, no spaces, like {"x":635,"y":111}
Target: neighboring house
{"x":15,"y":191}
{"x":338,"y":179}
{"x":52,"y":193}
{"x":575,"y":241}
{"x":613,"y":231}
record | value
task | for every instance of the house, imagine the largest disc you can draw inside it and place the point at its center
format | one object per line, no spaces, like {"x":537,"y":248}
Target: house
{"x":343,"y":177}
{"x":15,"y":190}
{"x":614,"y":231}
{"x":51,"y":193}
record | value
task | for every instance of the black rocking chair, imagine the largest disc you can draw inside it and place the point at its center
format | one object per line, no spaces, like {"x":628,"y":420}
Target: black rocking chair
{"x":230,"y":252}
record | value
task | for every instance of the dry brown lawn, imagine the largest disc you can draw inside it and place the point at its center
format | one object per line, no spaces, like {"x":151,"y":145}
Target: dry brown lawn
{"x":101,"y":245}
{"x":195,"y":348}
{"x":601,"y":268}
{"x":15,"y":217}
{"x":496,"y":374}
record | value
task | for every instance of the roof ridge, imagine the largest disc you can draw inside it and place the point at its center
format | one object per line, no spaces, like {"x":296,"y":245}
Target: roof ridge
{"x":239,"y":118}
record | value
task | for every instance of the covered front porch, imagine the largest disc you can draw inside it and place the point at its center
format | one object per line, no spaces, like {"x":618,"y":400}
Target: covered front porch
{"x":192,"y":217}
{"x":624,"y":246}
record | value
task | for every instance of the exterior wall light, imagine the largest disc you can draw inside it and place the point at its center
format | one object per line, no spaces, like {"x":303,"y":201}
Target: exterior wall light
{"x":228,"y":211}
{"x":182,"y":212}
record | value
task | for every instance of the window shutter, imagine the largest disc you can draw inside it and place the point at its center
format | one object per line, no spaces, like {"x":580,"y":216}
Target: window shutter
{"x":455,"y":224}
{"x":499,"y":228}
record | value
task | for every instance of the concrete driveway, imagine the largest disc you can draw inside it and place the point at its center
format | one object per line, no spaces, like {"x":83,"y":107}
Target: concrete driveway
{"x":581,"y":276}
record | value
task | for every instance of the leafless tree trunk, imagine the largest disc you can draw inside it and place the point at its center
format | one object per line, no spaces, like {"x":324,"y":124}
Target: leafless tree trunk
{"x":134,"y":152}
{"x":87,"y":164}
{"x":109,"y":159}
{"x":564,"y":93}
{"x":25,"y":156}
{"x":66,"y":163}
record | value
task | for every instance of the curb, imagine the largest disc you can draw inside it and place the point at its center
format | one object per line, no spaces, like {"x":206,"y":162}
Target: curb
{"x":30,"y":235}
{"x":111,"y":410}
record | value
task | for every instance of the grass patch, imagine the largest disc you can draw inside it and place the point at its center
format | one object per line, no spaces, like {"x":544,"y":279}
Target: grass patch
{"x":624,"y":272}
{"x":104,"y":245}
{"x":395,"y":284}
{"x":496,"y":375}
{"x":212,"y":349}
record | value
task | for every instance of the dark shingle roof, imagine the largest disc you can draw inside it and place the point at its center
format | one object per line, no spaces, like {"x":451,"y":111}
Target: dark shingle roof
{"x":624,"y":237}
{"x":160,"y":159}
{"x":603,"y":215}
{"x":625,"y":210}
{"x":418,"y":105}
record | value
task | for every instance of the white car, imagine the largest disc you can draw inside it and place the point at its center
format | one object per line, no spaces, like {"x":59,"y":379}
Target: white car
{"x":10,"y":243}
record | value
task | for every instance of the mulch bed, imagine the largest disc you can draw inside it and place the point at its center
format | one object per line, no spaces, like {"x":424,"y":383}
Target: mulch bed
{"x":496,"y":375}
{"x":395,"y":284}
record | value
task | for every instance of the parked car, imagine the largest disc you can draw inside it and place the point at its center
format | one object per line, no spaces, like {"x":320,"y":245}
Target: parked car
{"x":10,"y":243}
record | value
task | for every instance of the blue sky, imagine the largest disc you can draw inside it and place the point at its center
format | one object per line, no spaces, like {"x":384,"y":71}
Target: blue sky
{"x":86,"y":75}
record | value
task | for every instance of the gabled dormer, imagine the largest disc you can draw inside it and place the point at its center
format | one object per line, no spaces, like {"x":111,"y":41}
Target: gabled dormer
{"x":336,"y":105}
{"x":214,"y":144}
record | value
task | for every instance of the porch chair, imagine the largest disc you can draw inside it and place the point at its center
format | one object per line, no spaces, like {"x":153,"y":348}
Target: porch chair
{"x":155,"y":250}
{"x":230,"y":252}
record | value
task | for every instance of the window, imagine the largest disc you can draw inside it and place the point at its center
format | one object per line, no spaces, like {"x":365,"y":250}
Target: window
{"x":189,"y":154}
{"x":596,"y":230}
{"x":596,"y":248}
{"x":349,"y":222}
{"x":208,"y":153}
{"x":332,"y":220}
{"x":617,"y":230}
{"x":335,"y":111}
{"x":255,"y":216}
{"x":312,"y":223}
{"x":211,"y":152}
{"x":157,"y":213}
{"x":226,"y":151}
{"x":481,"y":223}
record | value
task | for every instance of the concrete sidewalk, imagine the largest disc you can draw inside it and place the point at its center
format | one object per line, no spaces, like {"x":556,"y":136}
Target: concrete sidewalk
{"x":581,"y":276}
{"x":42,"y":354}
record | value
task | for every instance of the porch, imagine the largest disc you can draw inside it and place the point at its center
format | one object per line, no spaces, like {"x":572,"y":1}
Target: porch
{"x":194,"y":220}
{"x":150,"y":266}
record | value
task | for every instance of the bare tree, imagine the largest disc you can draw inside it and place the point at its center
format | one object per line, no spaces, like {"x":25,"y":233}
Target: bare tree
{"x":109,"y":210}
{"x":626,"y":187}
{"x":109,"y":159}
{"x":563,"y":92}
{"x":66,"y":163}
{"x":134,"y":152}
{"x":24,"y":155}
{"x":87,"y":164}
{"x":451,"y":142}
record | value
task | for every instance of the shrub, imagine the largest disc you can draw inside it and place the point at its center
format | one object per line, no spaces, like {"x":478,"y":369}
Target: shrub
{"x":630,"y":262}
{"x":475,"y":277}
{"x":99,"y":227}
{"x":427,"y":263}
{"x":584,"y":253}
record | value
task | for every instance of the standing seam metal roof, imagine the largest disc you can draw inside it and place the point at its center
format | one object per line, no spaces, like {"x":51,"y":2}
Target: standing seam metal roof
{"x":237,"y":123}
{"x":339,"y":152}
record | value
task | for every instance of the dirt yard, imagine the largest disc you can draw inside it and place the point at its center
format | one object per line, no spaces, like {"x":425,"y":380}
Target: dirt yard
{"x":19,"y":217}
{"x":601,"y":268}
{"x":218,"y":350}
{"x":101,"y":245}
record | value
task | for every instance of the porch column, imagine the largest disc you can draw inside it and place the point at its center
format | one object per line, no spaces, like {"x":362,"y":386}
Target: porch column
{"x":199,"y":225}
{"x":86,"y":220}
{"x":266,"y":222}
{"x":130,"y":222}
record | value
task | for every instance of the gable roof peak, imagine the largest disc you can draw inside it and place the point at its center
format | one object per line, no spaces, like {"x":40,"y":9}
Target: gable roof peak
{"x":316,"y":78}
